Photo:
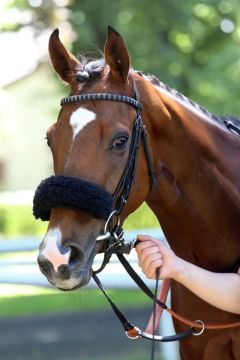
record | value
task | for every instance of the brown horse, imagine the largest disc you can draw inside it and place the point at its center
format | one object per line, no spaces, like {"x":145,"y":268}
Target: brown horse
{"x":196,"y":163}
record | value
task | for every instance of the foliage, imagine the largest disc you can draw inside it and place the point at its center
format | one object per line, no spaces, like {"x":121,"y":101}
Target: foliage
{"x":193,"y":47}
{"x":143,"y":217}
{"x":17,"y":220}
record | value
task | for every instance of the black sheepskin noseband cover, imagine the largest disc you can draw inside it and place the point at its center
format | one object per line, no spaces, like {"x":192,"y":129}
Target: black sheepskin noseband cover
{"x":73,"y":193}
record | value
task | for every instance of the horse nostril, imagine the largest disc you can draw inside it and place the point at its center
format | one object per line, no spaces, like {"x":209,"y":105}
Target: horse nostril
{"x":64,"y":271}
{"x":44,"y":264}
{"x":76,"y":255}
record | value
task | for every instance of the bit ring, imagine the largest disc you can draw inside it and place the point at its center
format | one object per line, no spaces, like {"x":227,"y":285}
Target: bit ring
{"x":114,"y":212}
{"x":201,"y":331}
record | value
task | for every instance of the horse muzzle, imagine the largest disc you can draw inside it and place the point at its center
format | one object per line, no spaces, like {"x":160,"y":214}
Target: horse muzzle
{"x":64,"y":262}
{"x":66,"y":258}
{"x":65,"y":268}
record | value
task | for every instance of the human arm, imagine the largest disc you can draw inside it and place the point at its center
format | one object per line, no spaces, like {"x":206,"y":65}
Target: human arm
{"x":221,"y":290}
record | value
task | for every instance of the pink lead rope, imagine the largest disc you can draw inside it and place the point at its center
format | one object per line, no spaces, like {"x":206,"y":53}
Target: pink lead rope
{"x":158,"y":313}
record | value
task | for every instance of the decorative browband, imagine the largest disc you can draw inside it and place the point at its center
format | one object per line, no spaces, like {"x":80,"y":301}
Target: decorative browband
{"x":102,"y":96}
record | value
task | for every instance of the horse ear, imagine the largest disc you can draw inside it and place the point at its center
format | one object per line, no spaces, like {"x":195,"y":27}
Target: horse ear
{"x":63,"y":61}
{"x":116,"y":55}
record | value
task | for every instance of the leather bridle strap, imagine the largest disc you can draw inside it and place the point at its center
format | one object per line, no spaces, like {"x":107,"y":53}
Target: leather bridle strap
{"x":123,"y":188}
{"x":132,"y":331}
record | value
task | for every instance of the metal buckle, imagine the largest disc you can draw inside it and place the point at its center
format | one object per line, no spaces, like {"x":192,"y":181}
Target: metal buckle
{"x":134,"y":337}
{"x":201,"y":331}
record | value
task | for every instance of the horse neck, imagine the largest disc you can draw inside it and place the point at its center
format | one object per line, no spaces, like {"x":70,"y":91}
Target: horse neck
{"x":197,"y":203}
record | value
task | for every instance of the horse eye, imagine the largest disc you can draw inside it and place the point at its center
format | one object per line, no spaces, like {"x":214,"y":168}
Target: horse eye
{"x":120,"y":142}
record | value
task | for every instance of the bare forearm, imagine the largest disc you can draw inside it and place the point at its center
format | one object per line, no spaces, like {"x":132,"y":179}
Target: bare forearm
{"x":220,"y":290}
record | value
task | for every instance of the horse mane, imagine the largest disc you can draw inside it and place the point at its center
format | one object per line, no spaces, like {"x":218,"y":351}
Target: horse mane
{"x":93,"y":68}
{"x":220,"y":119}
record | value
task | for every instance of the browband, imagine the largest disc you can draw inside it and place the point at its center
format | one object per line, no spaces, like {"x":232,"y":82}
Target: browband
{"x":102,"y":96}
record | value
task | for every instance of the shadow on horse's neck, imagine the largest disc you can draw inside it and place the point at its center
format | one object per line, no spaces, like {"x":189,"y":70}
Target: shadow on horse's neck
{"x":198,"y":202}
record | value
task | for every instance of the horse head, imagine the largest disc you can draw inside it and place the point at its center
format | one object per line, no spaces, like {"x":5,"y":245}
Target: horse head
{"x":90,"y":144}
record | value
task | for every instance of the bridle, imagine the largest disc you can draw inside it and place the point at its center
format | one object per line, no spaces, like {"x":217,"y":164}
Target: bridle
{"x":112,"y":237}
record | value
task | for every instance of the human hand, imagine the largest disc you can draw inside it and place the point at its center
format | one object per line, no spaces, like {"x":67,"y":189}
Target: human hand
{"x":152,"y":253}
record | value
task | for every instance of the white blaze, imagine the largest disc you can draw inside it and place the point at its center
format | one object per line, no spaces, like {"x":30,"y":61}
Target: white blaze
{"x":51,"y":250}
{"x":80,"y":118}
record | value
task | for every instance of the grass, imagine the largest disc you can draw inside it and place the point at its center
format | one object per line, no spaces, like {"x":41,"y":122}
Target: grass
{"x":25,"y":300}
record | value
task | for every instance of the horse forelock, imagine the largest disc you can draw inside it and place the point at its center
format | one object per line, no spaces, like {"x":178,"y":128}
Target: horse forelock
{"x":90,"y":68}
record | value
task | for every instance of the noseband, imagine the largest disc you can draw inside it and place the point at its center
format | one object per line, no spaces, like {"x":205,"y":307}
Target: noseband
{"x":71,"y":192}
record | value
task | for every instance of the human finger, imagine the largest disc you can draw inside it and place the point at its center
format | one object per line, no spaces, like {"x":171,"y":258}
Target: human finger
{"x":150,"y":271}
{"x":144,"y":238}
{"x":143,"y":246}
{"x":148,"y":260}
{"x":145,"y":253}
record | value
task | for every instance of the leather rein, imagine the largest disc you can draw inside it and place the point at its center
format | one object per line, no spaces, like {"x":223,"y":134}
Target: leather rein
{"x":113,"y":236}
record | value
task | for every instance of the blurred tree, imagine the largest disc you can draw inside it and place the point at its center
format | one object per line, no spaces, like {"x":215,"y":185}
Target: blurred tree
{"x":193,"y":46}
{"x":38,"y":14}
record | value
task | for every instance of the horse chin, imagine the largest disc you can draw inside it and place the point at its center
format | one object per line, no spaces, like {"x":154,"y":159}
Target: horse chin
{"x":74,"y":282}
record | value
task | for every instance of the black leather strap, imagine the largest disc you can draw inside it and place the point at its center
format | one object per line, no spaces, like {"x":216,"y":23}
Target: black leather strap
{"x":123,"y":188}
{"x":136,"y":278}
{"x":125,"y":323}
